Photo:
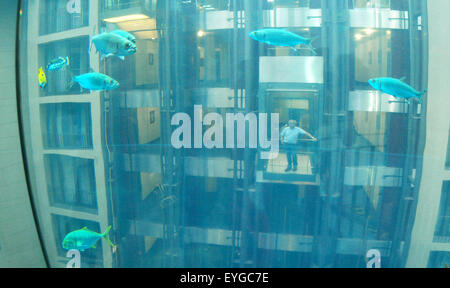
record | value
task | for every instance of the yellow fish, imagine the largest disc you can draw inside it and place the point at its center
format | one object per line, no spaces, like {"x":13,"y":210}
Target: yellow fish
{"x":42,"y":78}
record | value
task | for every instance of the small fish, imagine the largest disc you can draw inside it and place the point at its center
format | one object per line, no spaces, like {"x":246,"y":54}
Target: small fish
{"x":58,"y":64}
{"x":125,"y":35}
{"x":84,"y":239}
{"x":42,"y":78}
{"x":280,"y":37}
{"x":96,"y":81}
{"x":396,"y":88}
{"x":111,"y":44}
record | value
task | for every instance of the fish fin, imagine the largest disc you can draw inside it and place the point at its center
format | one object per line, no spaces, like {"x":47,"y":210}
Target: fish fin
{"x":403,"y":79}
{"x":94,"y":246}
{"x":106,"y":236}
{"x":84,"y":228}
{"x":103,"y":57}
{"x":67,"y":61}
{"x":91,"y":70}
{"x":121,"y":58}
{"x":293,"y":48}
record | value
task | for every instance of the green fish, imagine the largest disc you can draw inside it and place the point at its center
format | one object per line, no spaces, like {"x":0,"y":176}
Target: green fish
{"x":84,"y":239}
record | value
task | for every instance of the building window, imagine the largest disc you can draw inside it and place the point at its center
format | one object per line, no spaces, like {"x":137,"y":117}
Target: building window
{"x":378,"y":53}
{"x":71,"y":182}
{"x":371,"y":3}
{"x":60,"y":82}
{"x":443,"y":223}
{"x":439,"y":259}
{"x":55,"y":17}
{"x":62,"y":225}
{"x":447,"y":161}
{"x":66,"y":126}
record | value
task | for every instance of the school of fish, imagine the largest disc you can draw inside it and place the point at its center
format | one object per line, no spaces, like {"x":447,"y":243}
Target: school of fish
{"x":391,"y":86}
{"x":117,"y":43}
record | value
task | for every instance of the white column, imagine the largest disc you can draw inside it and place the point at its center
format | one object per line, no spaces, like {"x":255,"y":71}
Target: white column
{"x":438,"y":120}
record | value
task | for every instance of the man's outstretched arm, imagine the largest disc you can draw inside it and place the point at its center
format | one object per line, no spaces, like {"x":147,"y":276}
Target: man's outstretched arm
{"x":310,"y":136}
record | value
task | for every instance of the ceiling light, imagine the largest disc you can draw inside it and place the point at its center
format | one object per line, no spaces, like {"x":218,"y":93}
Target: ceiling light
{"x":358,"y":36}
{"x":126,"y":18}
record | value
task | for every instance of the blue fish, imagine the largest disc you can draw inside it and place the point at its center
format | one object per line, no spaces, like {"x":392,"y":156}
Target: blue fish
{"x":84,"y":239}
{"x":280,"y":37}
{"x":125,"y":35}
{"x":58,"y":63}
{"x":396,"y":88}
{"x":111,"y":44}
{"x":96,"y":81}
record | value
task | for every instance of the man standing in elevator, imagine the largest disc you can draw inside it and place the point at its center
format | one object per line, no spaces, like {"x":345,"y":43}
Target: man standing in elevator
{"x":289,"y":138}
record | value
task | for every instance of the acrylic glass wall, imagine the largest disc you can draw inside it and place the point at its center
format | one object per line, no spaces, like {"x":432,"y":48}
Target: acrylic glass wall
{"x":106,"y":158}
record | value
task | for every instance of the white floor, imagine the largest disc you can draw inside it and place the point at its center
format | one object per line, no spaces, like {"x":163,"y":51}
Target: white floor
{"x":279,"y":164}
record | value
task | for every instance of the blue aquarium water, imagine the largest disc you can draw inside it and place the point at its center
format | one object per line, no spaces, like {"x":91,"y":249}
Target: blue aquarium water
{"x":226,"y":133}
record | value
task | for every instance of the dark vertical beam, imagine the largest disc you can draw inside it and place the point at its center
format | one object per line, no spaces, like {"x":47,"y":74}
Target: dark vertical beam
{"x":336,"y":36}
{"x":253,"y":12}
{"x":416,"y":134}
{"x":166,"y":25}
{"x":235,"y":84}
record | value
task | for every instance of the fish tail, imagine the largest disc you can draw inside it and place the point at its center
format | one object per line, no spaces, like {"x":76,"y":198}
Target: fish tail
{"x":309,"y":45}
{"x":106,"y":236}
{"x":311,"y":40}
{"x":420,"y":94}
{"x":67,"y":61}
{"x":312,"y":49}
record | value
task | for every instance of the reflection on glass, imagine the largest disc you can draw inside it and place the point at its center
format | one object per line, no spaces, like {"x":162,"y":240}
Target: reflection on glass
{"x":59,"y":82}
{"x":105,"y":158}
{"x":60,"y":18}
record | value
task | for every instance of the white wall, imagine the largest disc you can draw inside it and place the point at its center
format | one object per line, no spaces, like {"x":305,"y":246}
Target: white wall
{"x":19,"y":243}
{"x":438,"y":121}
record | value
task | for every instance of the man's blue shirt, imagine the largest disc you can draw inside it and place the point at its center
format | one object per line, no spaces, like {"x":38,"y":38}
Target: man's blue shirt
{"x":290,"y":135}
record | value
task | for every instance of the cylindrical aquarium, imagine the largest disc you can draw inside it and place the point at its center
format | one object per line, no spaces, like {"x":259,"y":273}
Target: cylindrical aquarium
{"x":233,"y":133}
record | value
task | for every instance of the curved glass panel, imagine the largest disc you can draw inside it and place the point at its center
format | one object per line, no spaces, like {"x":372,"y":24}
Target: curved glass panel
{"x":235,"y":133}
